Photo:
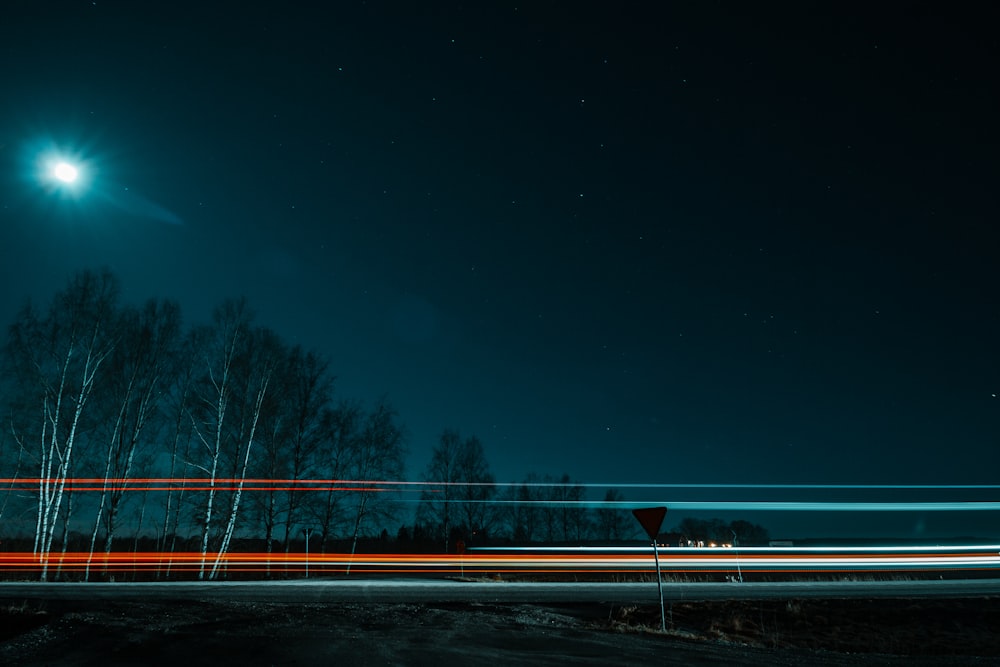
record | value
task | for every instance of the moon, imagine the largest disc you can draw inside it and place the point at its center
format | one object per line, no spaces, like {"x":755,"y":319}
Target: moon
{"x":65,"y":172}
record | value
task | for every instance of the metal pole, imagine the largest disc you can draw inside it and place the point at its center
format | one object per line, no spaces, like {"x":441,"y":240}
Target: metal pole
{"x":307,"y":532}
{"x":735,"y":546}
{"x":659,"y":587}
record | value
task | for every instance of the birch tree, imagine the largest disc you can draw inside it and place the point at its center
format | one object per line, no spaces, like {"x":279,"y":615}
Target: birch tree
{"x":136,"y":381}
{"x":179,"y":438}
{"x":258,"y":363}
{"x":58,"y":356}
{"x":217,"y":348}
{"x":270,"y":463}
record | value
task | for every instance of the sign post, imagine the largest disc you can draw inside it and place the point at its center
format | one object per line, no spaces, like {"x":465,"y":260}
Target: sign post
{"x":308,"y":533}
{"x":651,"y":518}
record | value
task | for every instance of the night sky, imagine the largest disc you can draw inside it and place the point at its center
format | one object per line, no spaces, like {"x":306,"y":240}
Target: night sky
{"x":653,"y":242}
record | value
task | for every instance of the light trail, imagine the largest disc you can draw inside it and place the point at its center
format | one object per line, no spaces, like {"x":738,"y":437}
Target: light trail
{"x":295,"y":483}
{"x":795,"y":506}
{"x":165,"y":484}
{"x":539,"y":560}
{"x":760,"y":505}
{"x":676,"y":502}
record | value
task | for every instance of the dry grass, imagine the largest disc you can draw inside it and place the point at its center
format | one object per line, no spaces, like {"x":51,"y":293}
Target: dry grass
{"x":899,"y":627}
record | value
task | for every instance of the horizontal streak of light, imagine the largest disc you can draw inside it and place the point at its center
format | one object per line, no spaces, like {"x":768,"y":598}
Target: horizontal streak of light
{"x":199,"y":484}
{"x":671,"y":560}
{"x":206,"y":480}
{"x":959,"y":506}
{"x":804,"y":549}
{"x":743,"y":506}
{"x":757,"y":506}
{"x":369,"y":482}
{"x":227,"y":487}
{"x":249,"y":485}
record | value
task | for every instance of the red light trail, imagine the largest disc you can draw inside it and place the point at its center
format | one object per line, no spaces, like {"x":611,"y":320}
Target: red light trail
{"x":635,"y":560}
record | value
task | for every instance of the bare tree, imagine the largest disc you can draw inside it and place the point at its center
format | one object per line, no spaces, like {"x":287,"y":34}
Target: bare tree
{"x":461,"y":488}
{"x":612,"y":521}
{"x":236,"y":367}
{"x":571,"y":514}
{"x":261,"y":358}
{"x":378,"y":456}
{"x":58,"y":357}
{"x":217,"y":348}
{"x":270,"y":461}
{"x":290,"y":433}
{"x":436,"y":509}
{"x":135,"y":385}
{"x":522,"y":510}
{"x":746,"y":533}
{"x":11,"y":475}
{"x":335,"y":457}
{"x":309,"y":391}
{"x":179,"y":438}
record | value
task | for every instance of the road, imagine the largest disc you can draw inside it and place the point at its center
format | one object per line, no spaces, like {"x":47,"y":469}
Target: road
{"x":438,"y":590}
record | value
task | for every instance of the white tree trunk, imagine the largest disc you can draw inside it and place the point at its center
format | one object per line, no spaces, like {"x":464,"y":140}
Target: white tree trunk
{"x":234,"y":508}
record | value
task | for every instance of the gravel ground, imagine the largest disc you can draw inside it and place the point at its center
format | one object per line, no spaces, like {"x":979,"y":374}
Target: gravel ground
{"x":793,"y":632}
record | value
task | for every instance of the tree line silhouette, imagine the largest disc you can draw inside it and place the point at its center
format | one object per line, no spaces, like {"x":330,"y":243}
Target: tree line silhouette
{"x":108,"y":404}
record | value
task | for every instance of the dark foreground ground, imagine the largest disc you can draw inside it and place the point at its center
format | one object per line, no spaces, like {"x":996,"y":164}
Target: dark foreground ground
{"x":791,"y":632}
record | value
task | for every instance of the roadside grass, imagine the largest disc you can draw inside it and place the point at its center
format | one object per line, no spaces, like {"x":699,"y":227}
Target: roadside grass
{"x":19,"y":617}
{"x":885,"y":626}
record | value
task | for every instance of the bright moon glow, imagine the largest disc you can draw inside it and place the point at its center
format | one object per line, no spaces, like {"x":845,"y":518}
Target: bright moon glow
{"x":65,"y":172}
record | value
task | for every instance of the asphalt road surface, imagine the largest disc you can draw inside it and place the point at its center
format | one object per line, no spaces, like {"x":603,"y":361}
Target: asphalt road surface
{"x":437,"y":590}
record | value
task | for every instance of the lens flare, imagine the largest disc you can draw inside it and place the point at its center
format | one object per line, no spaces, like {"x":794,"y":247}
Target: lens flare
{"x":65,"y":172}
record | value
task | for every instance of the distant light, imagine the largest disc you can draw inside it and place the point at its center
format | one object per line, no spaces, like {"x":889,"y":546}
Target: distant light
{"x":65,"y":172}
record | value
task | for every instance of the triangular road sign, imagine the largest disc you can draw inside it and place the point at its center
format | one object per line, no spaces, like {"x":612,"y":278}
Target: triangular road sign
{"x":651,"y":519}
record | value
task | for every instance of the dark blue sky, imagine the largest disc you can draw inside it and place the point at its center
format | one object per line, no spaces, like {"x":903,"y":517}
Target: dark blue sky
{"x":704,"y":242}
